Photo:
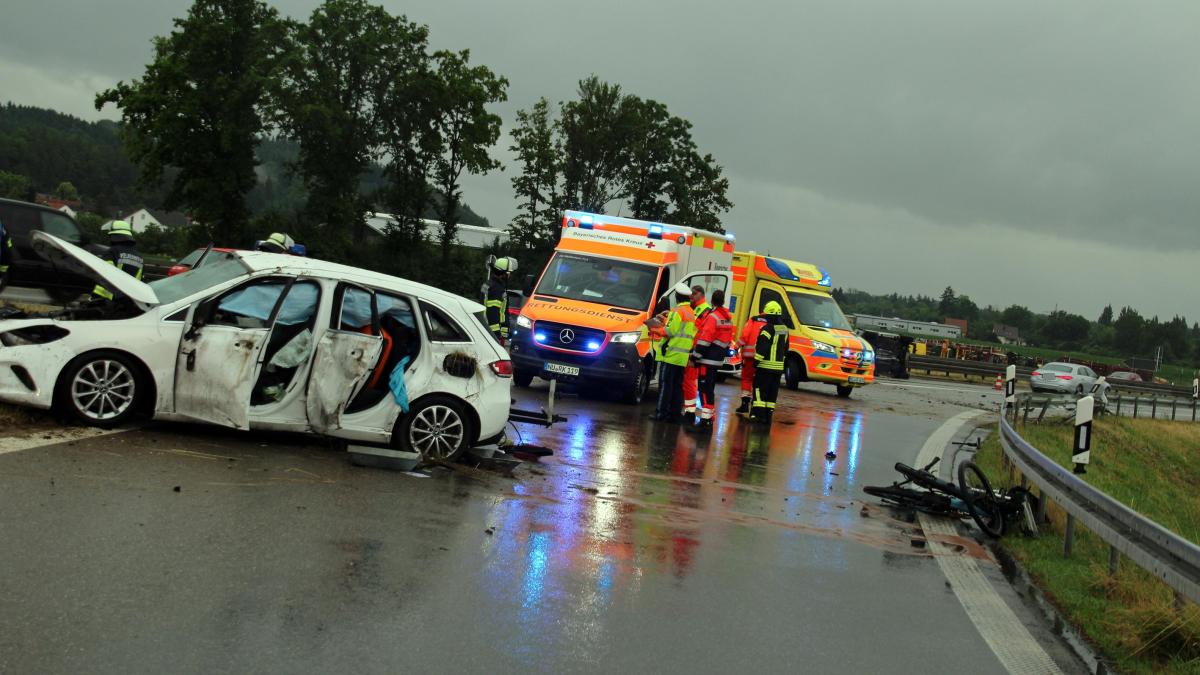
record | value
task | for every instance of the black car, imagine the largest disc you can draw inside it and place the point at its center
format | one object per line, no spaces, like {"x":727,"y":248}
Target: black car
{"x":28,"y":268}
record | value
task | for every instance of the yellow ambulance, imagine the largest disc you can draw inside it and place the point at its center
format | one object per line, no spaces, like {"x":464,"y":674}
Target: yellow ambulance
{"x":824,"y":347}
{"x":583,"y":321}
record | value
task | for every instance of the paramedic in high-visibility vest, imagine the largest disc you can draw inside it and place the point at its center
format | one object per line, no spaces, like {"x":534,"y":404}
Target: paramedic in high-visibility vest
{"x":691,"y":374}
{"x":679,"y":335}
{"x":122,"y":255}
{"x":495,"y":297}
{"x":749,"y":336}
{"x":714,"y":333}
{"x":770,"y":351}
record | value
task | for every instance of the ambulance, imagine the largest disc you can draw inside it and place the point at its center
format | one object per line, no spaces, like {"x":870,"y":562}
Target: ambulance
{"x":583,"y":321}
{"x":823,"y":345}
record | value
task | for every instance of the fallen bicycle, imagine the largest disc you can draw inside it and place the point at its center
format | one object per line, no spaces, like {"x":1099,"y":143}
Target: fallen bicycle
{"x":992,"y":510}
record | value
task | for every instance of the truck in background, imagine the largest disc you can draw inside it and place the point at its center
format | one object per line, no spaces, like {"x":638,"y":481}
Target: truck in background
{"x":823,"y":345}
{"x":583,"y":321}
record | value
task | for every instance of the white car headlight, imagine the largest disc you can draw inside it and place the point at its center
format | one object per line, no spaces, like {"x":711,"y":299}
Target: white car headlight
{"x":524,"y":322}
{"x":822,"y":347}
{"x":868,"y":356}
{"x":626,"y":338}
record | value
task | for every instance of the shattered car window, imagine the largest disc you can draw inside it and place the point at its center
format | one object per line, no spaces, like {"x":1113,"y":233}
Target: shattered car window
{"x":356,"y":309}
{"x":225,"y":268}
{"x":258,"y":300}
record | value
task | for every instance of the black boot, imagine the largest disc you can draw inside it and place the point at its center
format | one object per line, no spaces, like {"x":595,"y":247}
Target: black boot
{"x":745,"y":406}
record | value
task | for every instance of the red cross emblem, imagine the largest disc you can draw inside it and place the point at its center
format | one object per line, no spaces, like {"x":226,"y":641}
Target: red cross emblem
{"x":649,"y":244}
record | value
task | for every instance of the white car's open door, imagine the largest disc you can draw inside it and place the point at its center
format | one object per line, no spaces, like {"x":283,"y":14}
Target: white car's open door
{"x":216,"y":371}
{"x":343,"y":361}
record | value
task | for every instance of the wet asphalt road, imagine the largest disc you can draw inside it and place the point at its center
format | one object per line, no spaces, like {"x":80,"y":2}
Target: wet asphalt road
{"x":638,"y":546}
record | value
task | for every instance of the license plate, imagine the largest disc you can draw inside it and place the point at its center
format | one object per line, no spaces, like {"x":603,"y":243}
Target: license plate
{"x":561,"y":369}
{"x":856,"y":380}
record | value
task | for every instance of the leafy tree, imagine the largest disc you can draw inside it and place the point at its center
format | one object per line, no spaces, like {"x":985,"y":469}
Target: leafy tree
{"x":536,"y":226}
{"x":466,"y":128}
{"x":946,"y":306}
{"x":199,"y":108}
{"x":1106,"y":316}
{"x":1128,"y":329}
{"x":1019,"y":317}
{"x":413,"y":143}
{"x":66,"y":191}
{"x":596,"y":130}
{"x":332,"y":96}
{"x":14,"y":186}
{"x":1065,"y":330}
{"x":658,"y":140}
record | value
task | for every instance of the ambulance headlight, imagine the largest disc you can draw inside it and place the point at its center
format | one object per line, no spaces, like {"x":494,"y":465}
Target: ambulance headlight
{"x":868,"y":356}
{"x":822,"y":347}
{"x":524,"y":322}
{"x":626,"y":338}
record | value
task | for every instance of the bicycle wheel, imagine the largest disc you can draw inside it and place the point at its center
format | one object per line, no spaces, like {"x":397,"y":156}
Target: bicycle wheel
{"x":921,"y":500}
{"x":981,"y":501}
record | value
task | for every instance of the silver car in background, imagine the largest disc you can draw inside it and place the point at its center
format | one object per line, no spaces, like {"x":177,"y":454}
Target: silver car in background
{"x":1063,"y":378}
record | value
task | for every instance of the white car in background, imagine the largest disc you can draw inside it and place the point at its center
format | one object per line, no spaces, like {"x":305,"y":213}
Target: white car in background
{"x":255,"y":340}
{"x":1063,"y":378}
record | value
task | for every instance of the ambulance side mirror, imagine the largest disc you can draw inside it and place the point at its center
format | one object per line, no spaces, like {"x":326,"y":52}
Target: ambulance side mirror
{"x":528,"y":287}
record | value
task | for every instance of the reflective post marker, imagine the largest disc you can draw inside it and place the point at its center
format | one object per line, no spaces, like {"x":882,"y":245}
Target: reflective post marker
{"x":1010,"y":385}
{"x":1081,"y":453}
{"x":1196,"y":387}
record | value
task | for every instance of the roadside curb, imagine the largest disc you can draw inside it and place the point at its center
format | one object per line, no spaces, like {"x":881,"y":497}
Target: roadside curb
{"x":1028,"y":590}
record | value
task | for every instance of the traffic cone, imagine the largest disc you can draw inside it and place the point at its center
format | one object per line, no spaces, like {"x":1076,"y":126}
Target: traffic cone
{"x":999,"y":383}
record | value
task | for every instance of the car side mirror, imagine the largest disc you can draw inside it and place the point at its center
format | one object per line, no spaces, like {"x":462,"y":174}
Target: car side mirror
{"x":200,"y":318}
{"x":528,"y":288}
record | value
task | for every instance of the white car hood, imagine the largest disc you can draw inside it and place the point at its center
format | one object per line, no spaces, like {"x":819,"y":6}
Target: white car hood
{"x":69,"y":256}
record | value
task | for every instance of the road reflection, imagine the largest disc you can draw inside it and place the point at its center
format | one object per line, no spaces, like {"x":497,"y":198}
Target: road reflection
{"x":625,"y":497}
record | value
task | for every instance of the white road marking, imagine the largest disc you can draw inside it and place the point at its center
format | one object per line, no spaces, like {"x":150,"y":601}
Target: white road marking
{"x":942,"y":387}
{"x":999,"y":626}
{"x":18,"y":443}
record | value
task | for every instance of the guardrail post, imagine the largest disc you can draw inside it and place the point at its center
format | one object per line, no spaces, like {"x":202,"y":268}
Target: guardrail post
{"x":1040,"y":512}
{"x":1118,"y":404}
{"x":1173,"y":401}
{"x":1069,"y":536}
{"x":1082,"y":449}
{"x":1135,"y":406}
{"x":1114,"y":559}
{"x":1154,"y":407}
{"x":1193,"y":410}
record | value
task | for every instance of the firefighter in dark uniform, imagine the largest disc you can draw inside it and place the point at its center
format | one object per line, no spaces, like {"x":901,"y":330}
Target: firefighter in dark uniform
{"x":495,"y":297}
{"x":6,"y":256}
{"x":770,"y":351}
{"x":122,"y":255}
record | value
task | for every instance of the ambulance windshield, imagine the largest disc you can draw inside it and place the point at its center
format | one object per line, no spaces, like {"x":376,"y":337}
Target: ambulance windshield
{"x":821,"y":311}
{"x":616,"y":283}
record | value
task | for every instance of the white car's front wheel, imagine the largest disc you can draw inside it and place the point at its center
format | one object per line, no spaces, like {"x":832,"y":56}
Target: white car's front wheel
{"x":101,"y":389}
{"x":438,"y":428}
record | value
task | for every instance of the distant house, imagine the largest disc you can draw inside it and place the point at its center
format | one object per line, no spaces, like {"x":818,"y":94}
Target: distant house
{"x":471,"y":236}
{"x":140,"y":219}
{"x":67,"y":206}
{"x":869,"y":322}
{"x":1007,"y":335}
{"x":961,"y":323}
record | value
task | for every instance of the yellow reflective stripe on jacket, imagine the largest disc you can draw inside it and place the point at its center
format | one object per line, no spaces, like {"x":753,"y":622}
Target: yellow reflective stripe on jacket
{"x":681,"y":334}
{"x":774,"y":358}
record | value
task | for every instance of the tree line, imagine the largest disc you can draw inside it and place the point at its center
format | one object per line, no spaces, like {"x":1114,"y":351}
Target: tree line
{"x":1125,"y":333}
{"x":355,"y":87}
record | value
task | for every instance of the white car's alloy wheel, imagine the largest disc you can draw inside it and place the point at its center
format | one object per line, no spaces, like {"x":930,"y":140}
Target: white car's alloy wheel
{"x":103,"y":389}
{"x":437,"y":432}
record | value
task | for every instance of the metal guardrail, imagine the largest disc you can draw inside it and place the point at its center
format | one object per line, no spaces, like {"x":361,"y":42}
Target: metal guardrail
{"x":1116,"y":403}
{"x":1171,"y":558}
{"x":991,"y":370}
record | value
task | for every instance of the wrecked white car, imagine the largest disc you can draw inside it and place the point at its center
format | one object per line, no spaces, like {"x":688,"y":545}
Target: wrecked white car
{"x":256,"y":340}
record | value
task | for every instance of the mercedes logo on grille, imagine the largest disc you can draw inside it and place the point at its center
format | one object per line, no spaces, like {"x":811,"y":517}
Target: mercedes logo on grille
{"x":567,"y":336}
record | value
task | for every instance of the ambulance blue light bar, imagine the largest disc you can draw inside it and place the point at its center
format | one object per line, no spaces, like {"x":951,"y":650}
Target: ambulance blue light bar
{"x":656,"y":231}
{"x":825,"y":280}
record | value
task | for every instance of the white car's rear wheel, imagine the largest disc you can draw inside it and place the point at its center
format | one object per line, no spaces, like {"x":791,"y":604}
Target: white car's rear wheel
{"x":437,"y":428}
{"x":102,"y":389}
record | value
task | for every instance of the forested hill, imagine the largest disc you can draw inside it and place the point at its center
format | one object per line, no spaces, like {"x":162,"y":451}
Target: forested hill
{"x":49,"y":147}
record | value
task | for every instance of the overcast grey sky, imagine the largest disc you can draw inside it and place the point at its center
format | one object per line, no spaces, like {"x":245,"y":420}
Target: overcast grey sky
{"x":1041,"y":153}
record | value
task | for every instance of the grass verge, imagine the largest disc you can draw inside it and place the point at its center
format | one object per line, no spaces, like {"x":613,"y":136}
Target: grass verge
{"x":1151,"y":466}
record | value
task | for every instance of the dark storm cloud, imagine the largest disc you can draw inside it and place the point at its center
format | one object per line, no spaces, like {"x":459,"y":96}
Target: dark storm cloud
{"x":1066,"y":124}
